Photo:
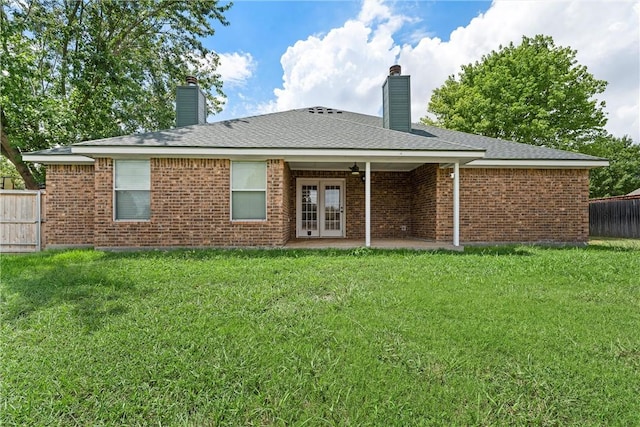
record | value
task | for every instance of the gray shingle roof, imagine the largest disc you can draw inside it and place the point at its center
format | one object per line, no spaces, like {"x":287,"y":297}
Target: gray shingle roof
{"x":294,"y":129}
{"x":326,"y":128}
{"x":497,"y":149}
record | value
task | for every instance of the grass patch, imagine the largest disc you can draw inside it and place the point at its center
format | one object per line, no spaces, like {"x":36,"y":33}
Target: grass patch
{"x":509,"y":335}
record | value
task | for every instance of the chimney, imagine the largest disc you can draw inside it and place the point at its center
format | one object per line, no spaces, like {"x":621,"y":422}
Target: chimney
{"x":396,"y":101}
{"x":191,"y":104}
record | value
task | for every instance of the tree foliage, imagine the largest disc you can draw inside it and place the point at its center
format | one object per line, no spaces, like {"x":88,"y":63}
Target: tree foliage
{"x":535,"y":93}
{"x":623,"y":174}
{"x":73,"y":70}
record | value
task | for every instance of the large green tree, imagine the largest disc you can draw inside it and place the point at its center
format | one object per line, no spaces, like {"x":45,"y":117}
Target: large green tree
{"x":72,"y":70}
{"x":535,"y":93}
{"x":623,"y":174}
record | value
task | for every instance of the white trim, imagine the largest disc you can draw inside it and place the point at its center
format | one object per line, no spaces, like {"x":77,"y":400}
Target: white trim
{"x":20,"y":191}
{"x":456,"y":204}
{"x":537,"y":164}
{"x":367,"y":204}
{"x":58,"y":159}
{"x":288,"y":154}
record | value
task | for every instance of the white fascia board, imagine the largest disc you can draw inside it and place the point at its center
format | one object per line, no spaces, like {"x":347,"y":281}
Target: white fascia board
{"x":68,"y":159}
{"x":278,"y":153}
{"x":537,"y":164}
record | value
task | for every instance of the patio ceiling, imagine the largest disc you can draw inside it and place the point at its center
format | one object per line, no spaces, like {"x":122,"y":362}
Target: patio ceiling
{"x":344,"y":166}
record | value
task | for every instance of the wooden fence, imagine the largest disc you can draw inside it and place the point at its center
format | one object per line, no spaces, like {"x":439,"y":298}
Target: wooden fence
{"x":20,"y":221}
{"x":615,"y":217}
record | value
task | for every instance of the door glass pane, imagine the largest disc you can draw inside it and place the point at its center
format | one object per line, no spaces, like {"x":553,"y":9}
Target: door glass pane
{"x":332,"y":207}
{"x":309,"y":207}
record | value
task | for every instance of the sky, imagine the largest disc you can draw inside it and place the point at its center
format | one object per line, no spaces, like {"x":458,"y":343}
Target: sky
{"x":281,"y":55}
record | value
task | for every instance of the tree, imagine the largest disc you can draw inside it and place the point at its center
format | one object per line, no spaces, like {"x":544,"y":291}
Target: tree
{"x":72,"y":70}
{"x":8,"y":170}
{"x":623,"y":174}
{"x":535,"y":93}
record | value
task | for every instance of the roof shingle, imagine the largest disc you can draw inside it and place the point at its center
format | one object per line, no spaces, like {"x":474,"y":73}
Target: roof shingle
{"x":327,"y":128}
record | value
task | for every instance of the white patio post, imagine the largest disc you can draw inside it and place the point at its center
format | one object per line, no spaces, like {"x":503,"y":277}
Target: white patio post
{"x":456,"y":204}
{"x":367,"y":204}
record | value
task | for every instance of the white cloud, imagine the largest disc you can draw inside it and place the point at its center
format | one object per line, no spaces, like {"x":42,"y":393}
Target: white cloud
{"x":236,"y":68}
{"x":346,"y":67}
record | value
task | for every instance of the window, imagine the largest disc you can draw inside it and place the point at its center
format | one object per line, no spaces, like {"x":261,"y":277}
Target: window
{"x":248,"y":191}
{"x":132,"y":183}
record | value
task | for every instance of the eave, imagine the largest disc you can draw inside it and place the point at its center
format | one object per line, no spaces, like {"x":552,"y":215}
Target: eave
{"x":289,"y":155}
{"x":63,"y":159}
{"x":537,"y":163}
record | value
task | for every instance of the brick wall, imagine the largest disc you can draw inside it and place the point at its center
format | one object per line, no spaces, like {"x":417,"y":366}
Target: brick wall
{"x":516,"y":205}
{"x":424,"y":203}
{"x":287,"y":201}
{"x":68,"y":206}
{"x":190,"y":206}
{"x":390,"y":202}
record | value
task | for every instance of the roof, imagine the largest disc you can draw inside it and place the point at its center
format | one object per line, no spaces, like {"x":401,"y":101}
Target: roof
{"x":293,"y":129}
{"x":318,"y":130}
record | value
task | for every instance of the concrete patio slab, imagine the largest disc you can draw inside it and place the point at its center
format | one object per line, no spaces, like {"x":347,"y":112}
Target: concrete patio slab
{"x":417,"y":244}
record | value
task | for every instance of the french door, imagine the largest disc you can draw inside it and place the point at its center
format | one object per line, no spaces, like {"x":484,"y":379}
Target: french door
{"x":320,"y":208}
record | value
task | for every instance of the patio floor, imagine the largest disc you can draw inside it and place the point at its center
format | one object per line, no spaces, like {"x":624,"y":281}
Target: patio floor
{"x":417,"y":244}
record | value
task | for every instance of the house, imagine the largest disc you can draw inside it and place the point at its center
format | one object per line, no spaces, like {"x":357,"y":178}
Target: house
{"x":311,"y":173}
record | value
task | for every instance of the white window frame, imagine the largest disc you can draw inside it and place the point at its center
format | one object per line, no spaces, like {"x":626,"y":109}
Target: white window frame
{"x":134,"y":188}
{"x":231,"y":191}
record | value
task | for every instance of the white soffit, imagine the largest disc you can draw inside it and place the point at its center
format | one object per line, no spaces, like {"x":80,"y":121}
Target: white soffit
{"x":537,"y":164}
{"x":48,"y":159}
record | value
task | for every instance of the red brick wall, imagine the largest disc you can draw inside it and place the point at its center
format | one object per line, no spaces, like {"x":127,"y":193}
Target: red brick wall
{"x":516,"y":205}
{"x":424,"y":202}
{"x":390,"y":202}
{"x":68,"y":206}
{"x":287,"y":201}
{"x":190,"y":206}
{"x":354,"y":201}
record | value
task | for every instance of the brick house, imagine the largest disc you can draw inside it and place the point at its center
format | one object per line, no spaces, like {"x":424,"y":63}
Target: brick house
{"x":311,"y":173}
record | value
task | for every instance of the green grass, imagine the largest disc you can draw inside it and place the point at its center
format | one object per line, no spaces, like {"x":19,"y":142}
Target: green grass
{"x":512,"y":335}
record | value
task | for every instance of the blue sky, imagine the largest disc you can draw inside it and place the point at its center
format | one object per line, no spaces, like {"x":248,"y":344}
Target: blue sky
{"x":278,"y":55}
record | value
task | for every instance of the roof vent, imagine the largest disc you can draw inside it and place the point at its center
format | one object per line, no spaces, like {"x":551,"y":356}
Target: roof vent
{"x":192,"y":81}
{"x":323,"y":110}
{"x":395,"y":70}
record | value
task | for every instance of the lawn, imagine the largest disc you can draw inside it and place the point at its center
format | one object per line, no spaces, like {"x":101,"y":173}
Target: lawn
{"x":514,"y":335}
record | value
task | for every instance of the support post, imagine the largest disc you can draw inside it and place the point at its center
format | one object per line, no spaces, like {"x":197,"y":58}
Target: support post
{"x":456,"y":204}
{"x":367,"y":204}
{"x":39,"y":221}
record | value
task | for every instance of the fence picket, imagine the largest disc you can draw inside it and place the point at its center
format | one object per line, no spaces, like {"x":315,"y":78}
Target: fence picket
{"x":615,"y":218}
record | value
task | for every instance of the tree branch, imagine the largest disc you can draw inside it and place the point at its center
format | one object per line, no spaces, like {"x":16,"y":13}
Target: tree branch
{"x":15,"y":157}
